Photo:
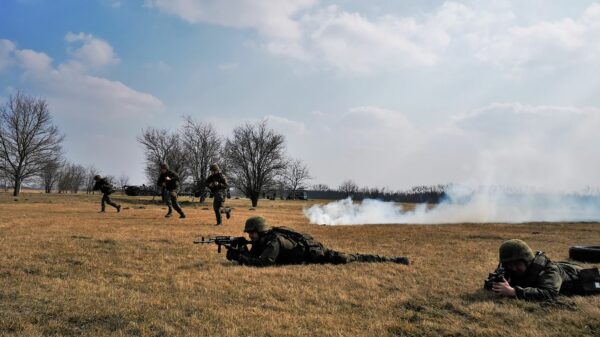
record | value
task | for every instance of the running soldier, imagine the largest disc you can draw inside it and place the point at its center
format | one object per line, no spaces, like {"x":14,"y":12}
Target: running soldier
{"x":107,"y":189}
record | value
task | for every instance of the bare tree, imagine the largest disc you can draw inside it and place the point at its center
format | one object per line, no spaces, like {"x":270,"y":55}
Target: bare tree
{"x":295,"y":176}
{"x":123,"y":180}
{"x":72,"y":178}
{"x":255,"y":156}
{"x":50,"y":174}
{"x":28,"y":139}
{"x":163,"y":147}
{"x":202,"y":146}
{"x":349,"y":187}
{"x":91,"y":172}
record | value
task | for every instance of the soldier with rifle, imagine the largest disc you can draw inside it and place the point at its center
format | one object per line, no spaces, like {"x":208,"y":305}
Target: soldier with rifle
{"x":281,"y":245}
{"x":104,"y":186}
{"x":169,"y":182}
{"x":217,"y":183}
{"x":527,"y":275}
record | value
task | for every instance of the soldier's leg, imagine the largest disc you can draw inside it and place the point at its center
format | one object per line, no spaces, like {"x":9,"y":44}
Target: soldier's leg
{"x":103,"y":203}
{"x":334,"y":257}
{"x":168,"y":202}
{"x":110,"y":202}
{"x":331,"y":256}
{"x":173,"y":196}
{"x":217,"y":203}
{"x":379,"y":258}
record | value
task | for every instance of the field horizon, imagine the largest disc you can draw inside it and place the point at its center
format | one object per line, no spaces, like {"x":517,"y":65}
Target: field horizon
{"x":66,"y":270}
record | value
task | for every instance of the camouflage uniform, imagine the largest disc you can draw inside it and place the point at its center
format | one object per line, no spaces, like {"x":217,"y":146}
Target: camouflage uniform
{"x":280,"y":245}
{"x":170,"y":191}
{"x":217,"y":183}
{"x":543,"y":279}
{"x":107,"y":189}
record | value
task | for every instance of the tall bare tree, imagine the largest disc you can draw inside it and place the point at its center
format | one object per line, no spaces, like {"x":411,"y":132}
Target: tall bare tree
{"x":91,"y":172}
{"x":202,"y":146}
{"x":50,"y":174}
{"x":161,"y":146}
{"x":349,"y":187}
{"x":255,"y":156}
{"x":72,"y":178}
{"x":295,"y":176}
{"x":28,"y":138}
{"x":123,"y":180}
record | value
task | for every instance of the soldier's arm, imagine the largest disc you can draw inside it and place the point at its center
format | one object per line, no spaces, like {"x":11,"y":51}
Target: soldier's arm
{"x":266,"y":258}
{"x":160,"y":180}
{"x":223,"y":180}
{"x":174,"y":176}
{"x":547,"y":287}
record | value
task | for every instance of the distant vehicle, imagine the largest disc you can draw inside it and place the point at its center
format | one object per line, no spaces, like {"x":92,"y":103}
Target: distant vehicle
{"x":143,"y":190}
{"x":298,"y":195}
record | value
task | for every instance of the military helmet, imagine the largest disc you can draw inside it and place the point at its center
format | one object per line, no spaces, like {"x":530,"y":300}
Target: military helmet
{"x":214,"y":168}
{"x":515,"y":250}
{"x":256,"y":224}
{"x":97,"y":177}
{"x":164,"y":166}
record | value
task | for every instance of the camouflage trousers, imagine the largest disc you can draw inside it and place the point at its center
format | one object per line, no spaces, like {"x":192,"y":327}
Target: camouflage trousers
{"x":218,"y":205}
{"x":170,"y":198}
{"x":331,"y":256}
{"x":106,"y":200}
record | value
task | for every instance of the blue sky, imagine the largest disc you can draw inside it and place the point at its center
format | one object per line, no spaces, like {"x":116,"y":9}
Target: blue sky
{"x":386,"y":93}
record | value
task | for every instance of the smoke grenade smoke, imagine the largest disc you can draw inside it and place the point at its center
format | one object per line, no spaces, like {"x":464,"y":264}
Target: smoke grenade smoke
{"x":460,"y":207}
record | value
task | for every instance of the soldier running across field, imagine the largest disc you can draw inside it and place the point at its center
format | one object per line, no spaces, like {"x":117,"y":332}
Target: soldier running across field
{"x":280,"y":245}
{"x":107,"y":189}
{"x":169,"y":181}
{"x":533,"y":276}
{"x":217,"y":183}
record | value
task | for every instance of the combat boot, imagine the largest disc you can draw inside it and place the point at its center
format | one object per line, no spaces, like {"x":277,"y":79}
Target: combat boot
{"x":168,"y":215}
{"x":118,"y":208}
{"x":402,"y":260}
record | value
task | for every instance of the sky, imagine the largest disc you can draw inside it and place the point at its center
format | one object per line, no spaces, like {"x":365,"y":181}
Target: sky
{"x":387,"y":93}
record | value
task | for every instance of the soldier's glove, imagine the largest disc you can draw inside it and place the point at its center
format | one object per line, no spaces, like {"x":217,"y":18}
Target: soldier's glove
{"x":233,"y":254}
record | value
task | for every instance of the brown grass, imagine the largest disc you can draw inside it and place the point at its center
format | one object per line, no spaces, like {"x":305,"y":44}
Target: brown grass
{"x":66,"y":270}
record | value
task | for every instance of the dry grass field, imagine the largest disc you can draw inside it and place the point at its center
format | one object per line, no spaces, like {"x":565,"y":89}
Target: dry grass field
{"x":66,"y":270}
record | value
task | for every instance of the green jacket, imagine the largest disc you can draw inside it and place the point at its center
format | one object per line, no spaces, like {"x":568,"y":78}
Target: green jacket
{"x":274,"y":249}
{"x":544,"y":279}
{"x":170,"y":185}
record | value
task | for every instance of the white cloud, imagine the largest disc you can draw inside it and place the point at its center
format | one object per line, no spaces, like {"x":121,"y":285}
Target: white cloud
{"x":91,"y":52}
{"x":545,"y":147}
{"x":273,"y":19}
{"x":330,"y":37}
{"x":99,"y":116}
{"x":7,"y":49}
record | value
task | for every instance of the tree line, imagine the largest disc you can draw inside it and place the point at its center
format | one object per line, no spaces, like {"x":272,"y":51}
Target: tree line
{"x":253,"y":157}
{"x":31,"y":150}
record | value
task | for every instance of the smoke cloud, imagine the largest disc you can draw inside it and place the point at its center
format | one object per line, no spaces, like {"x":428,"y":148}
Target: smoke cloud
{"x":461,"y":207}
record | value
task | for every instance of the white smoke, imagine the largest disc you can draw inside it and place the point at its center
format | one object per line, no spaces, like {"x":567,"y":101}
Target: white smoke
{"x":461,"y":207}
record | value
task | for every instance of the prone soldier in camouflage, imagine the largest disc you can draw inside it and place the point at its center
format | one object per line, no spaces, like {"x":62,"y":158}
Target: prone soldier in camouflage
{"x":169,"y":181}
{"x":533,"y":276}
{"x":107,"y":189}
{"x":217,"y":183}
{"x":280,"y":246}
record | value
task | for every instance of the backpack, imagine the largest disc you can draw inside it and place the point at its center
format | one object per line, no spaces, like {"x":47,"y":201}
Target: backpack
{"x":313,"y":249}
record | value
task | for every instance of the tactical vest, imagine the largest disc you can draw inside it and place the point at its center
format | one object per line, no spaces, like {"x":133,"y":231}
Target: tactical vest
{"x":313,"y":249}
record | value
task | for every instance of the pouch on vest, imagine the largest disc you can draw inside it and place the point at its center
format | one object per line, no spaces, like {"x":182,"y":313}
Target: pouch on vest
{"x":313,"y":249}
{"x":590,"y":280}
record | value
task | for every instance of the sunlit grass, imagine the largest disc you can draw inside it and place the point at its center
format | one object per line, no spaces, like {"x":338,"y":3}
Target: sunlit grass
{"x":66,"y":270}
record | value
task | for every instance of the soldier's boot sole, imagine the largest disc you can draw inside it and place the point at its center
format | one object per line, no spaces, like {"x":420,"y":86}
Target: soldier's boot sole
{"x":168,"y":215}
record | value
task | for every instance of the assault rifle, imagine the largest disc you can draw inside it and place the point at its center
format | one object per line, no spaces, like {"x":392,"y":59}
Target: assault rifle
{"x":496,"y":277}
{"x":230,"y":242}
